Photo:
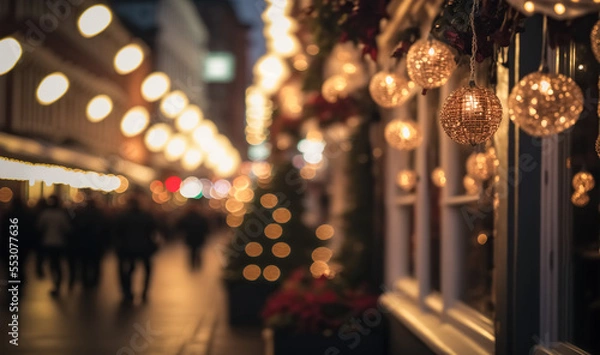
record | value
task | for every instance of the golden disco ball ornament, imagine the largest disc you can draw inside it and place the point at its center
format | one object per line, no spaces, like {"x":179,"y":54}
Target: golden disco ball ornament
{"x":543,"y":104}
{"x":472,"y":186}
{"x":335,"y":88}
{"x":389,"y":90}
{"x":583,"y":181}
{"x":580,"y":199}
{"x":471,"y":115}
{"x":480,"y":166}
{"x":595,"y":40}
{"x":403,"y":135}
{"x":406,"y":180}
{"x":430,"y":63}
{"x":438,"y":176}
{"x":598,"y":146}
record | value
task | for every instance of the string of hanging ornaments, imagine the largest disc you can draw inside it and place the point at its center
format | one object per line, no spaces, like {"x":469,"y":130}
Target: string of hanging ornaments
{"x":582,"y":182}
{"x":471,"y":114}
{"x":595,"y":44}
{"x":543,"y":103}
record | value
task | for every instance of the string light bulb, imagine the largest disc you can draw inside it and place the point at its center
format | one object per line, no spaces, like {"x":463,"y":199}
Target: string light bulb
{"x":430,"y":63}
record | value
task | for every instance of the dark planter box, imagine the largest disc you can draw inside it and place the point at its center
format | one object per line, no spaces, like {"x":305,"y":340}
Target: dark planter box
{"x":352,"y":342}
{"x":246,"y":300}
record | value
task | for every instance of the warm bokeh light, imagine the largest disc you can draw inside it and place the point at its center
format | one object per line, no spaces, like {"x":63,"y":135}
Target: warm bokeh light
{"x":271,"y":273}
{"x":176,"y":147}
{"x":173,"y":103}
{"x":242,"y":182}
{"x":324,"y":232}
{"x":157,"y":137}
{"x":204,"y":134}
{"x":157,"y":186}
{"x":245,"y":195}
{"x":281,"y":250}
{"x":94,"y":20}
{"x":482,"y":238}
{"x":233,"y":205}
{"x":98,"y":108}
{"x":11,"y":53}
{"x":253,"y":249}
{"x":192,"y":159}
{"x":135,"y":121}
{"x":6,"y":195}
{"x":128,"y":58}
{"x":251,"y":272}
{"x":124,"y":184}
{"x":319,"y":268}
{"x":282,"y":215}
{"x":189,"y":119}
{"x":155,"y":86}
{"x":234,"y":221}
{"x":52,"y":88}
{"x":268,"y":200}
{"x":273,"y":231}
{"x":323,"y":254}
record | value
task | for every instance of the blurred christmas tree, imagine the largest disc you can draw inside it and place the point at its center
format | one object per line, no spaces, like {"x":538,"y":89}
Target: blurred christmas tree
{"x":272,"y":239}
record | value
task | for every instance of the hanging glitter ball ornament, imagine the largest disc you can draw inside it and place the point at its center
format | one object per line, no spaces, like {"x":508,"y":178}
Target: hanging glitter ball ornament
{"x":389,"y":90}
{"x":403,"y":135}
{"x":438,"y":176}
{"x":471,"y":115}
{"x":583,"y":181}
{"x":334,"y":88}
{"x":430,"y":63}
{"x":598,"y":146}
{"x":544,"y":104}
{"x":595,"y":40}
{"x":472,"y":186}
{"x":406,"y":180}
{"x":580,"y":199}
{"x":479,"y":166}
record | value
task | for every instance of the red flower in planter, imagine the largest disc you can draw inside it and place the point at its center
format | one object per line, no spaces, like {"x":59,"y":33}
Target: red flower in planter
{"x":305,"y":304}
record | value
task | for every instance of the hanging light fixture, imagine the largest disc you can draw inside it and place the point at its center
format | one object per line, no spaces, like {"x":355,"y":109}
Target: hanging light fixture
{"x":583,"y":181}
{"x":472,"y":186}
{"x":471,"y":114}
{"x":542,"y":103}
{"x":157,"y":137}
{"x":135,"y":121}
{"x":598,"y":146}
{"x":403,"y":134}
{"x":98,"y":108}
{"x":389,"y":90}
{"x":430,"y":63}
{"x":479,"y":166}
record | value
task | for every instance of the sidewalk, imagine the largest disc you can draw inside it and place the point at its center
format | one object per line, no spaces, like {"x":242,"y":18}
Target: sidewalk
{"x":186,"y":314}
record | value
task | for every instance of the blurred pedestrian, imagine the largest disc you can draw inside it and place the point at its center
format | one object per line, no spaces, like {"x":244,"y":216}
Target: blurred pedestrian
{"x":54,"y":225}
{"x":88,"y":244}
{"x":134,"y":232}
{"x":23,"y":235}
{"x":40,"y":206}
{"x":195,"y":227}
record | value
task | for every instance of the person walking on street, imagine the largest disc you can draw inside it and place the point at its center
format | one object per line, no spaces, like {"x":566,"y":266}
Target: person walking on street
{"x":134,"y":231}
{"x":195,"y":228}
{"x":54,"y":225}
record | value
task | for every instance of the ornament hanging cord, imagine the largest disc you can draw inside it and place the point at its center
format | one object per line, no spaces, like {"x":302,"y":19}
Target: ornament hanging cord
{"x":544,"y":62}
{"x":474,"y":9}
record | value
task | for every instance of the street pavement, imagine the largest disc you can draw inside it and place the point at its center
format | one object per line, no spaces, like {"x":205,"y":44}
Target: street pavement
{"x":185,"y":313}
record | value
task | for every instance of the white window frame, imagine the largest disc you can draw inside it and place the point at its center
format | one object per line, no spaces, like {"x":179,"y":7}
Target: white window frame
{"x":440,"y":319}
